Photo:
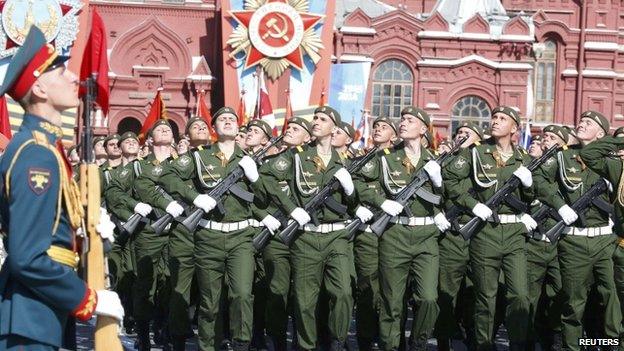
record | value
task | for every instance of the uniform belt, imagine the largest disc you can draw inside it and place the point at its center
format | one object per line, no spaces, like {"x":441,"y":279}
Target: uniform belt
{"x":509,"y":218}
{"x":64,"y":256}
{"x":412,"y":221}
{"x":588,"y":232}
{"x":324,"y":228}
{"x":223,"y":227}
{"x":255,"y":223}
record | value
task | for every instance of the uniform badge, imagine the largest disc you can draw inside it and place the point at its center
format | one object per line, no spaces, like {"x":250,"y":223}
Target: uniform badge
{"x":157,"y":170}
{"x":460,"y":162}
{"x":368,"y":167}
{"x":573,"y":169}
{"x":124,"y":173}
{"x":549,"y":162}
{"x":184,"y":161}
{"x":395,"y":173}
{"x":39,"y":180}
{"x":487,"y":166}
{"x":281,"y":164}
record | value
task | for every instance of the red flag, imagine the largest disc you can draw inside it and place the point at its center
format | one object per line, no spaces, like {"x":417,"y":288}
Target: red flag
{"x":5,"y":126}
{"x":94,"y":60}
{"x":264,"y":110}
{"x":242,"y":110}
{"x":438,"y":139}
{"x":157,"y":111}
{"x":289,"y":112}
{"x":204,"y":112}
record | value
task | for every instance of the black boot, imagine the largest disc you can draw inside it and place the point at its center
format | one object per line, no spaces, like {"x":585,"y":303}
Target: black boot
{"x":240,"y":345}
{"x":444,"y":344}
{"x":143,"y":339}
{"x":557,"y":342}
{"x":178,"y":343}
{"x":418,"y":344}
{"x":336,"y":345}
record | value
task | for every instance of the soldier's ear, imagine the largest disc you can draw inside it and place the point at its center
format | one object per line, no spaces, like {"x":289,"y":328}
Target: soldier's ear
{"x":514,"y":129}
{"x":38,"y":90}
{"x":600,"y":134}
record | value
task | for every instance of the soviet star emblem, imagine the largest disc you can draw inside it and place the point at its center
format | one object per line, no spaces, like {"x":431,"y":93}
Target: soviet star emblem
{"x":275,"y":34}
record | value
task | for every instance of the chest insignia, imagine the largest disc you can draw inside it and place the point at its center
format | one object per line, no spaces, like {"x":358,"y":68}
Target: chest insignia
{"x":395,"y":173}
{"x":281,"y":165}
{"x":487,"y":166}
{"x":572,"y":169}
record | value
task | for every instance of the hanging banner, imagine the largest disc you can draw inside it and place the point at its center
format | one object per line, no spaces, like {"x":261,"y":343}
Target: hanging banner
{"x":347,"y":90}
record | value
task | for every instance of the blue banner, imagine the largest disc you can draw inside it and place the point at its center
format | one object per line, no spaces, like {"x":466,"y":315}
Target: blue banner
{"x":347,"y":90}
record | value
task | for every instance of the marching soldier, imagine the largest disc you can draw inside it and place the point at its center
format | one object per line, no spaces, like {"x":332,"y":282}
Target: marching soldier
{"x":181,"y":250}
{"x":113,"y":153}
{"x":454,"y":265}
{"x":320,"y":254}
{"x":223,"y":251}
{"x":341,"y":140}
{"x":241,"y":136}
{"x":496,"y":246}
{"x":535,"y":149}
{"x":276,"y":255}
{"x":40,"y":209}
{"x":98,"y":149}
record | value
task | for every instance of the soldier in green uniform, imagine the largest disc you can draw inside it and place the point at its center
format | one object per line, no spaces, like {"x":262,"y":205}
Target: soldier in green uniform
{"x":496,"y":246}
{"x":619,"y":133}
{"x":545,"y":296}
{"x":99,"y":150}
{"x":223,"y":251}
{"x":241,"y":137}
{"x":276,"y":255}
{"x":181,"y":251}
{"x":113,"y":153}
{"x":320,"y":253}
{"x":341,"y":140}
{"x":454,"y":279}
{"x":365,"y":246}
{"x":536,"y":148}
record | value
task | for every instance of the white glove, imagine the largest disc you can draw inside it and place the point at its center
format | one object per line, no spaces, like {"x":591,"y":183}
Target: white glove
{"x":250,"y":168}
{"x":345,"y":180}
{"x":108,"y":304}
{"x":105,"y":227}
{"x":434,"y":171}
{"x":524,"y":175}
{"x":271,"y":223}
{"x":364,"y":214}
{"x":143,"y":209}
{"x":441,"y":222}
{"x":205,"y":202}
{"x":609,"y":185}
{"x":568,"y":215}
{"x":174,"y":209}
{"x":301,"y":216}
{"x":391,"y":207}
{"x":528,"y":222}
{"x":482,"y":211}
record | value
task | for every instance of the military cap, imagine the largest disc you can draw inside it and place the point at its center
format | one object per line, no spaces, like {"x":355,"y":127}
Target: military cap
{"x":536,"y":138}
{"x":242,"y":129}
{"x":33,"y":58}
{"x":160,"y":122}
{"x":263,"y":125}
{"x":302,"y":122}
{"x":507,"y":111}
{"x":388,"y":121}
{"x":475,"y":127}
{"x":418,"y":113}
{"x":571,"y":133}
{"x":597,"y":117}
{"x":97,"y":139}
{"x":111,"y":137}
{"x":128,"y":135}
{"x":329,"y":111}
{"x":221,"y":111}
{"x":348,"y":128}
{"x":72,"y":149}
{"x":558,"y":131}
{"x":619,"y":132}
{"x":192,"y":121}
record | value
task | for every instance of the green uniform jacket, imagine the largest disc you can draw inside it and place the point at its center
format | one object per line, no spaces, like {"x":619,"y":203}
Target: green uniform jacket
{"x":120,"y":192}
{"x":145,"y":184}
{"x":568,"y":174}
{"x":477,"y":168}
{"x":596,"y":157}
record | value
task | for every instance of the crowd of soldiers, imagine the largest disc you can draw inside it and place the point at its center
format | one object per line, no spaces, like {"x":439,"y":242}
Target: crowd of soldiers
{"x":508,"y":272}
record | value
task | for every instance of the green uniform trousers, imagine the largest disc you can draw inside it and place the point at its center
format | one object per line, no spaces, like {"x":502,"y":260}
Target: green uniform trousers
{"x":224,"y":258}
{"x":317,"y":259}
{"x":276,"y":257}
{"x":182,"y":268}
{"x":579,"y":258}
{"x":454,"y":283}
{"x":545,"y":296}
{"x":492,"y":249}
{"x":406,"y":252}
{"x":151,"y":287}
{"x":259,"y":290}
{"x":122,"y":272}
{"x":367,"y":295}
{"x":618,"y":266}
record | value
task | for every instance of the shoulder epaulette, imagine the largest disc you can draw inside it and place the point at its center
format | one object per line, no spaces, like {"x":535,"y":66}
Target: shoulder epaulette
{"x":386,"y":151}
{"x":40,"y":138}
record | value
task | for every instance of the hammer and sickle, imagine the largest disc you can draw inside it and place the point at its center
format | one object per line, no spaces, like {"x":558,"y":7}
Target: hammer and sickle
{"x":277,"y":33}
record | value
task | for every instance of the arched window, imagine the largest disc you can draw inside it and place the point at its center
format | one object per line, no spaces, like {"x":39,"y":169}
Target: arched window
{"x":392,"y":88}
{"x":545,"y":68}
{"x":129,"y":124}
{"x":470,"y":108}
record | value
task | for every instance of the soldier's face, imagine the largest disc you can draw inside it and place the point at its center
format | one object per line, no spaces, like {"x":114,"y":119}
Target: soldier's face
{"x":112,"y":148}
{"x":162,"y":135}
{"x":130,"y":146}
{"x":383,"y":133}
{"x":503,"y":125}
{"x":74,"y":158}
{"x":183,"y":146}
{"x":411,"y":127}
{"x":551,"y":139}
{"x":240,"y":140}
{"x":199,"y":131}
{"x":588,"y":130}
{"x":98,"y":148}
{"x":60,"y":88}
{"x":296,"y":135}
{"x":468,"y":133}
{"x":340,"y":138}
{"x":322,"y":125}
{"x":535,"y":149}
{"x":226,"y":125}
{"x":255,"y":136}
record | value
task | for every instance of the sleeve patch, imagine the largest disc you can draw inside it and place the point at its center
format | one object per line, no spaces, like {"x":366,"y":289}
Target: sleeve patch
{"x":281,"y":164}
{"x":460,"y":162}
{"x":39,"y":180}
{"x":184,"y":161}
